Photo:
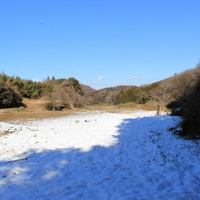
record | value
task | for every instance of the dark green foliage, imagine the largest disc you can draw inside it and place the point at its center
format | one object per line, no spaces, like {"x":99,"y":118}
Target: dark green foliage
{"x":136,"y":94}
{"x":75,"y":83}
{"x":27,"y":88}
{"x":126,"y":96}
{"x":64,"y":93}
{"x":122,"y":97}
{"x":3,"y":77}
{"x":9,"y":97}
{"x":49,"y":106}
{"x":60,"y":81}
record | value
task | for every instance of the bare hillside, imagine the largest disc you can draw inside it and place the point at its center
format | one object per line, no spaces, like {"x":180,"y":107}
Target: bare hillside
{"x":87,"y":89}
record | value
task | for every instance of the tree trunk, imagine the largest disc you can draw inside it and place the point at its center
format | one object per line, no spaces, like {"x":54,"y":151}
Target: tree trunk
{"x":158,"y":109}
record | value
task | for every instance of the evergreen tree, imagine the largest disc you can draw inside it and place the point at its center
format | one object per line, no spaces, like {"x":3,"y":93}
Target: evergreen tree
{"x":9,"y":97}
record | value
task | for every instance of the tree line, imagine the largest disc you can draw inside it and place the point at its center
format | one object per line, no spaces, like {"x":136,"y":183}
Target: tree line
{"x":180,"y":93}
{"x":187,"y":102}
{"x":59,"y":93}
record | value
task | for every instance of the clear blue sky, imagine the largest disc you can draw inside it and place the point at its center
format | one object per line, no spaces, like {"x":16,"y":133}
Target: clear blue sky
{"x":102,"y":43}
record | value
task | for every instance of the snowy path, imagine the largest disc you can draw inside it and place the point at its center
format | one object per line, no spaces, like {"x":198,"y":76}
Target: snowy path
{"x":98,"y":156}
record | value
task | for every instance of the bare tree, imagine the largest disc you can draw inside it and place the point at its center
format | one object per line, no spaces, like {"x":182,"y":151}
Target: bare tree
{"x":65,"y":96}
{"x":162,"y":94}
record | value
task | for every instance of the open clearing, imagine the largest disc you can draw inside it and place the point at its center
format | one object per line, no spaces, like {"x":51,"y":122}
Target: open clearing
{"x":98,"y":155}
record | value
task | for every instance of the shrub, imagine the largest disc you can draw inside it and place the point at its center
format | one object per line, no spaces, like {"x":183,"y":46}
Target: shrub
{"x":65,"y":96}
{"x":9,"y":97}
{"x":49,"y":106}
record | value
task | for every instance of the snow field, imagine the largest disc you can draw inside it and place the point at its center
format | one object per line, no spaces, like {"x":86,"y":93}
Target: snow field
{"x":97,"y":155}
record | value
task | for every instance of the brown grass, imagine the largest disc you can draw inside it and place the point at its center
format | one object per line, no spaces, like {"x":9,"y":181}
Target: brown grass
{"x":35,"y":109}
{"x":5,"y":132}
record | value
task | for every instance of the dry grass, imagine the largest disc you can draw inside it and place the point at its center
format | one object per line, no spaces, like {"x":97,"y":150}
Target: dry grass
{"x":5,"y":132}
{"x":35,"y":109}
{"x":150,"y":106}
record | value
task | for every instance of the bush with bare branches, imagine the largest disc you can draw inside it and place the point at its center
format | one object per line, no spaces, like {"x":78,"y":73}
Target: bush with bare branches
{"x":64,"y":96}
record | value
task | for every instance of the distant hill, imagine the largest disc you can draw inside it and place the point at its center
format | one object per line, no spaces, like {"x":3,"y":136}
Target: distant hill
{"x":87,"y":89}
{"x":69,"y":93}
{"x":104,"y":96}
{"x":163,"y":92}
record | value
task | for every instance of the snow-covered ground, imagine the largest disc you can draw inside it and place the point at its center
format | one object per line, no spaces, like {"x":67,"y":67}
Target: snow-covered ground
{"x":98,"y":156}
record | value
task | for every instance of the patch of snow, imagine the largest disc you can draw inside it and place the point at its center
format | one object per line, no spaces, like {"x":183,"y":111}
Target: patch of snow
{"x":98,"y":155}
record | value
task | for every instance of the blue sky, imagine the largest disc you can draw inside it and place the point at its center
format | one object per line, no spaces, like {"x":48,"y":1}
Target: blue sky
{"x":102,"y":43}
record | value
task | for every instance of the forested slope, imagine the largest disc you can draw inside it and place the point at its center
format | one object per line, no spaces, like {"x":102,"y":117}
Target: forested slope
{"x":59,"y":94}
{"x":180,"y":93}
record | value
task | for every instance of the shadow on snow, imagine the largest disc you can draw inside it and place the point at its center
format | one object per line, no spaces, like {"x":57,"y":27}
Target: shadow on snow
{"x":139,"y":166}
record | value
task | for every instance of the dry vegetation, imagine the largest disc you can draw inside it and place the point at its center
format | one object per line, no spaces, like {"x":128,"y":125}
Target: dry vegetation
{"x":34,"y":109}
{"x":43,"y":100}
